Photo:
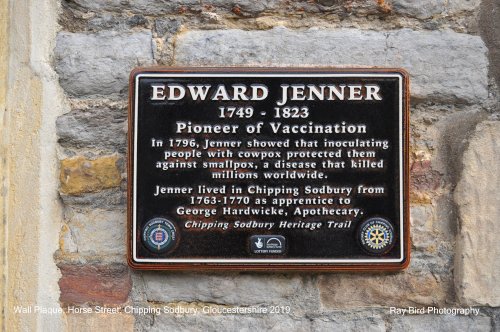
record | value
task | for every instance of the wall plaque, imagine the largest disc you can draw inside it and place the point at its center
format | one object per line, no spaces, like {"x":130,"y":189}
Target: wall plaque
{"x":268,"y":169}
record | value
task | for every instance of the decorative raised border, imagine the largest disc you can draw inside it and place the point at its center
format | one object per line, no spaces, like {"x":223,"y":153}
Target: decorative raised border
{"x":245,"y":264}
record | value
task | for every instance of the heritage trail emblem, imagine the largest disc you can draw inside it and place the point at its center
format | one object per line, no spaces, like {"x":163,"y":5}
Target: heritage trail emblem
{"x":376,"y":235}
{"x":159,"y":235}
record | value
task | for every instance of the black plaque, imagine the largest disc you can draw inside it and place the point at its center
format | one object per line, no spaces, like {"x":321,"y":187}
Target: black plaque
{"x":268,"y":169}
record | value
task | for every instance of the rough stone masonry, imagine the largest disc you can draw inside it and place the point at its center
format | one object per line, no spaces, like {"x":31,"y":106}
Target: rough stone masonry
{"x":450,"y":49}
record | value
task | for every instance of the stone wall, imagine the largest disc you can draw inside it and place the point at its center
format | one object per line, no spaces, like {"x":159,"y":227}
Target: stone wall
{"x":455,"y":147}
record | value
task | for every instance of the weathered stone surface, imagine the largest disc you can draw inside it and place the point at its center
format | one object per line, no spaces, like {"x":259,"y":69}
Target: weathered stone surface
{"x":336,"y":321}
{"x":213,"y":323}
{"x":100,"y":322}
{"x":476,"y":195}
{"x":422,"y":233}
{"x":94,"y":284}
{"x":95,"y":232}
{"x":145,"y":7}
{"x":423,"y":177}
{"x":66,"y":241}
{"x":437,"y":263}
{"x":443,"y":65}
{"x":95,"y":128}
{"x":113,"y":198}
{"x":495,"y":318}
{"x":352,"y":322}
{"x":238,"y":289}
{"x":444,"y":323}
{"x":100,"y":63}
{"x":152,"y":7}
{"x":167,"y":26}
{"x":107,"y":21}
{"x":250,"y":6}
{"x":80,"y":175}
{"x":358,"y":290}
{"x":490,"y":32}
{"x":429,"y":8}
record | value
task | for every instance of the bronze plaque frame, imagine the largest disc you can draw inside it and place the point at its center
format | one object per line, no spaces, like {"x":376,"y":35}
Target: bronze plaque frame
{"x":402,"y":263}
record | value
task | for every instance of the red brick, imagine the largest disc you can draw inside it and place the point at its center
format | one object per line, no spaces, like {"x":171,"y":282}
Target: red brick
{"x":94,"y":284}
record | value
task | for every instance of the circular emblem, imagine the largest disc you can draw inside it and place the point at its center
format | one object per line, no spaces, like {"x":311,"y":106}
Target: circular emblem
{"x":376,"y":235}
{"x":159,"y":235}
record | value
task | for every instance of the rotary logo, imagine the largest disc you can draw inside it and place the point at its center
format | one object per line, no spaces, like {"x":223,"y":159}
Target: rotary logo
{"x":376,"y":235}
{"x":159,"y":235}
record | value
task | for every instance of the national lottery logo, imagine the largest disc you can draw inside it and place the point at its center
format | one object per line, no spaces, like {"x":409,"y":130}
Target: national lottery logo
{"x":159,"y":235}
{"x":376,"y":235}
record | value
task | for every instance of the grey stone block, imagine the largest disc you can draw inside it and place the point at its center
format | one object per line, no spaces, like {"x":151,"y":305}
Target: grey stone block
{"x":216,"y":323}
{"x":352,"y":322}
{"x":339,"y":321}
{"x":231,"y":289}
{"x":100,"y":63}
{"x":100,"y":128}
{"x":427,"y":8}
{"x":152,"y":7}
{"x":477,"y":268}
{"x":444,"y":65}
{"x":145,"y":7}
{"x":441,"y":323}
{"x":95,"y":232}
